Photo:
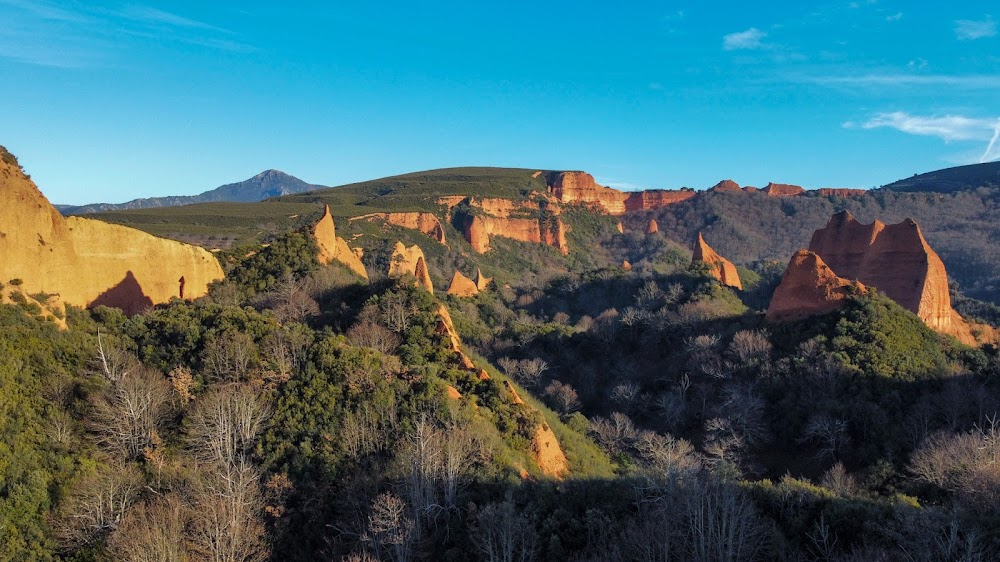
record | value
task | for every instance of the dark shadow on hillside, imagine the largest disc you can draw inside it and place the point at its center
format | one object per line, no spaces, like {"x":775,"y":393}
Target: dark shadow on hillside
{"x":127,"y":296}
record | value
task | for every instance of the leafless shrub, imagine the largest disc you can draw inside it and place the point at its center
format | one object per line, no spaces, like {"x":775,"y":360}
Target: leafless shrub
{"x":126,"y":414}
{"x":390,"y":530}
{"x":375,"y":336}
{"x":151,"y":532}
{"x":225,"y":422}
{"x":563,"y":397}
{"x":502,"y":534}
{"x":614,"y":434}
{"x":96,"y":504}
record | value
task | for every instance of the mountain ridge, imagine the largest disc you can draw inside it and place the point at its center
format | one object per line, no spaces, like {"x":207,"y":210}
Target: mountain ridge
{"x":267,"y":184}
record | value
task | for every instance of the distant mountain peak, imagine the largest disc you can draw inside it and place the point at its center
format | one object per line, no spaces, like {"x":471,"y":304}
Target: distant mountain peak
{"x":266,"y":184}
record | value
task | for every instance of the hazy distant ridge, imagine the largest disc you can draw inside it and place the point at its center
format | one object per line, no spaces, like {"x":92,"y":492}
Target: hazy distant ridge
{"x":269,"y":183}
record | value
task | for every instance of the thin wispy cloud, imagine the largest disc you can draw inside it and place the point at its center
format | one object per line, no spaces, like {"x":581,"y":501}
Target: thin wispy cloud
{"x":949,"y":128}
{"x":894,"y":17}
{"x":967,"y":81}
{"x":86,"y":35}
{"x":968,"y":30}
{"x":154,"y":16}
{"x":750,"y":39}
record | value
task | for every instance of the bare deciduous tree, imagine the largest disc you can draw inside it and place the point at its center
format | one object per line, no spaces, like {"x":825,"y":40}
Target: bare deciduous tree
{"x":390,"y":530}
{"x":614,"y":434}
{"x":126,"y":414}
{"x":96,"y":504}
{"x":562,"y":397}
{"x":229,"y":356}
{"x":227,"y":505}
{"x":504,"y":535}
{"x":151,"y":532}
{"x":373,"y":335}
{"x":225,"y":422}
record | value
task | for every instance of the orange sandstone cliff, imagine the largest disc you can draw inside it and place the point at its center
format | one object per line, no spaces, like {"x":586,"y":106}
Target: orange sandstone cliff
{"x":808,"y":288}
{"x":580,"y":187}
{"x":896,"y":259}
{"x":462,"y":286}
{"x":783,"y":190}
{"x":410,"y":261}
{"x":332,"y":248}
{"x":482,"y":282}
{"x":718,"y":266}
{"x":652,"y":227}
{"x":537,"y":222}
{"x":421,"y":221}
{"x":841,"y":192}
{"x":89,"y":262}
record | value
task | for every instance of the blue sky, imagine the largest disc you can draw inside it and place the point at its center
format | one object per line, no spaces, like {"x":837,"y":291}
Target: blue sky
{"x":108,"y":101}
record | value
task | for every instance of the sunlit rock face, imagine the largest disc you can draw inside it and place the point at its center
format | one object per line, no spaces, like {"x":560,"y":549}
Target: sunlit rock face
{"x":89,"y":262}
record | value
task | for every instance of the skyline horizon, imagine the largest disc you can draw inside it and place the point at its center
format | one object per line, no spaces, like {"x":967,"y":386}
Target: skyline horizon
{"x":107,"y":101}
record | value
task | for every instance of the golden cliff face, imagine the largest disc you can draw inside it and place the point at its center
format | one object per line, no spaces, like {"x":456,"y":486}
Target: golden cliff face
{"x":422,"y":221}
{"x":718,"y":266}
{"x":897,"y":260}
{"x":334,"y":249}
{"x":580,"y":188}
{"x":809,"y":288}
{"x":536,"y":222}
{"x":88,"y":262}
{"x":410,"y":261}
{"x":462,"y":286}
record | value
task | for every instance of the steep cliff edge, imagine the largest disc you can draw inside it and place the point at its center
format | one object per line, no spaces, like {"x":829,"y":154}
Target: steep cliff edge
{"x":410,"y":261}
{"x":718,"y":266}
{"x":332,"y":248}
{"x":580,"y":187}
{"x":897,"y":260}
{"x":421,"y":221}
{"x":88,"y":262}
{"x":534,"y":221}
{"x":809,"y":288}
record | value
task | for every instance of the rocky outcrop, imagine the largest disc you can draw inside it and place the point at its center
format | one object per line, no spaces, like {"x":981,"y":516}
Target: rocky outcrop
{"x":620,"y":228}
{"x":547,"y":453}
{"x":626,"y":266}
{"x":782,"y":190}
{"x":462,"y":286}
{"x":718,"y":266}
{"x":482,"y":282}
{"x":88,"y":262}
{"x":652,"y":227}
{"x":580,"y":187}
{"x":725,"y":186}
{"x":841,"y":192}
{"x":410,"y":261}
{"x":656,"y":198}
{"x":537,"y":222}
{"x":809,"y":288}
{"x":897,"y":260}
{"x":445,"y":327}
{"x":335,"y":249}
{"x":421,"y":221}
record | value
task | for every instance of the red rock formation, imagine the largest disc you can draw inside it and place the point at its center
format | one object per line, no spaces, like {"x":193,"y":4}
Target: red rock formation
{"x":808,"y":288}
{"x":421,"y":221}
{"x":580,"y":187}
{"x":462,"y":286}
{"x":626,"y":265}
{"x":841,"y":192}
{"x":897,"y":260}
{"x":334,"y":249}
{"x":547,"y":452}
{"x":410,"y":261}
{"x":656,"y":198}
{"x":620,"y":227}
{"x":83,"y":260}
{"x":446,"y":327}
{"x":726,"y":186}
{"x":517,"y":220}
{"x":718,"y":266}
{"x":783,"y":190}
{"x":652,"y":227}
{"x":482,"y":282}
